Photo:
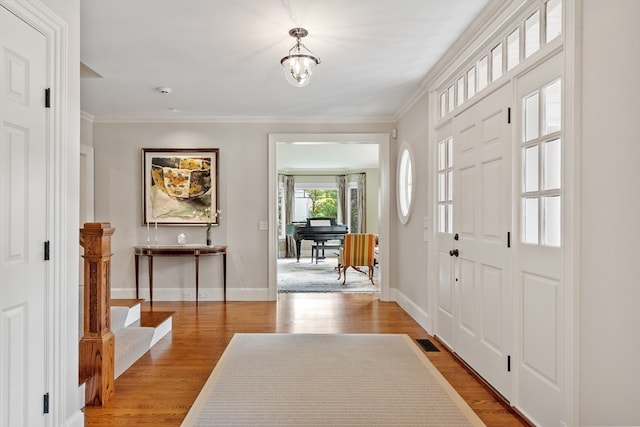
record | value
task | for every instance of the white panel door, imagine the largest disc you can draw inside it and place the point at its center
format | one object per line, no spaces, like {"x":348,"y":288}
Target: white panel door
{"x":23,"y":189}
{"x":483,"y":306}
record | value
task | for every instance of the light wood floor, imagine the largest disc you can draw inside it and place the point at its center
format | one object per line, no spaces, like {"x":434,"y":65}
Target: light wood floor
{"x":159,"y":389}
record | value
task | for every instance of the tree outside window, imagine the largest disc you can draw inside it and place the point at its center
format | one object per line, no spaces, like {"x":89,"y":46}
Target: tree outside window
{"x":313,"y":203}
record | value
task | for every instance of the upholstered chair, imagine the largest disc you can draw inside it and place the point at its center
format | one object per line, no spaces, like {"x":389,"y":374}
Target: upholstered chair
{"x":358,"y":251}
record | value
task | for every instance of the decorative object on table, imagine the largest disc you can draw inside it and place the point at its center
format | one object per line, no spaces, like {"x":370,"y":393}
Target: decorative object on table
{"x":180,"y":186}
{"x":215,"y":215}
{"x":182,"y":239}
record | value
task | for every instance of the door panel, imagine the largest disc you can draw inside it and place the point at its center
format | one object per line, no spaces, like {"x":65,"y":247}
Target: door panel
{"x":466,"y":202}
{"x":492,"y":215}
{"x":23,"y":275}
{"x":482,"y":205}
{"x":466,"y":301}
{"x":492,"y":284}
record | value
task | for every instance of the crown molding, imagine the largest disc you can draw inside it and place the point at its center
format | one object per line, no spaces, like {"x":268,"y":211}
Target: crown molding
{"x":245,"y":119}
{"x":481,"y":30}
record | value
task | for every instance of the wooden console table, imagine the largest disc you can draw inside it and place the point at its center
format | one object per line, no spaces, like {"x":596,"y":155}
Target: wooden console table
{"x":195,"y":251}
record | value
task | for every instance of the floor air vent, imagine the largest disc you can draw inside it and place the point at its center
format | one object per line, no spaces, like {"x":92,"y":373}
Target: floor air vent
{"x":427,"y":345}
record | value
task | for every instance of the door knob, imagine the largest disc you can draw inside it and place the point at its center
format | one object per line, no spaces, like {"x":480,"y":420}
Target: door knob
{"x":454,"y":252}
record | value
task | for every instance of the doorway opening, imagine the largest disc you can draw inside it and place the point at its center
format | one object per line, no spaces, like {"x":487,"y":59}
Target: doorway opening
{"x":324,"y":175}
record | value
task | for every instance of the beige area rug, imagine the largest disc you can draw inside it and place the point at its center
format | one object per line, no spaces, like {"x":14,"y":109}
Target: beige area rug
{"x":327,"y":379}
{"x":307,"y":276}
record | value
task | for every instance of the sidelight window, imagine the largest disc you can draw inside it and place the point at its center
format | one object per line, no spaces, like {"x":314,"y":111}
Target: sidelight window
{"x":541,"y":166}
{"x":445,"y":185}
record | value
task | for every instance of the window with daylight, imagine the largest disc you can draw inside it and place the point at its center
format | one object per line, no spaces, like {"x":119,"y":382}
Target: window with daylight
{"x":471,"y":82}
{"x":513,"y":49}
{"x":406,"y":178}
{"x":532,"y":34}
{"x":352,"y":201}
{"x":496,"y":62}
{"x":483,"y":73}
{"x":451,"y":96}
{"x":319,"y":196}
{"x":445,"y":186}
{"x":316,"y":202}
{"x":541,"y":166}
{"x":553,"y":9}
{"x":460,"y":91}
{"x":538,"y":27}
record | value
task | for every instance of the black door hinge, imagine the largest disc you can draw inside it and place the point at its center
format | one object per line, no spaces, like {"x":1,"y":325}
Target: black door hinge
{"x":47,"y":98}
{"x":45,"y":403}
{"x":508,"y":363}
{"x":46,"y":250}
{"x":509,"y":115}
{"x":508,"y":239}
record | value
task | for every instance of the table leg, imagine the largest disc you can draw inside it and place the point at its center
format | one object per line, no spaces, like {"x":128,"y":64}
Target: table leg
{"x":197,"y":254}
{"x":137,"y":276}
{"x":224,"y":275}
{"x":150,"y":256}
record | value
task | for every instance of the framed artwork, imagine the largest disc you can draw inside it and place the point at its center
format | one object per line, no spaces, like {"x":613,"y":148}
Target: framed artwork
{"x":180,"y":186}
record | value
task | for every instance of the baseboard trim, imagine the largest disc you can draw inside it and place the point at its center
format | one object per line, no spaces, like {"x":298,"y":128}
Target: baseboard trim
{"x":206,"y":294}
{"x":77,"y":420}
{"x":417,"y":313}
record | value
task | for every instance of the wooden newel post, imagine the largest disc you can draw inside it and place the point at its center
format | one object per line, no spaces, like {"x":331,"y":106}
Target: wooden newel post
{"x":98,"y":344}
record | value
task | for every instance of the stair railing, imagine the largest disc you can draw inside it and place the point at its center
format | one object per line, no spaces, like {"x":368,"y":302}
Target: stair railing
{"x":98,"y":343}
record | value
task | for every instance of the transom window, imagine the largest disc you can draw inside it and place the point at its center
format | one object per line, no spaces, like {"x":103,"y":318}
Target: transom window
{"x":536,"y":29}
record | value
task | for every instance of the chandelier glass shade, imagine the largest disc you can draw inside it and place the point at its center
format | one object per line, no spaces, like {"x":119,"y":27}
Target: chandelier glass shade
{"x":299,"y":64}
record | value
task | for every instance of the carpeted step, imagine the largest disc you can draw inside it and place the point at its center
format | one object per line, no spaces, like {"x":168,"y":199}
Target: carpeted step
{"x":126,"y":302}
{"x":161,"y":321}
{"x":130,"y":344}
{"x":118,"y":318}
{"x":133,"y":305}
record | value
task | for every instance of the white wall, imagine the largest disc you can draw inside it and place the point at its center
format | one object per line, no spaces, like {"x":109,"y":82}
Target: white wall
{"x":243,"y":199}
{"x":409,"y":260}
{"x":610,"y":279}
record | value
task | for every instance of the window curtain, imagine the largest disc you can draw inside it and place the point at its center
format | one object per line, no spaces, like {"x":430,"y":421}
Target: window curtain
{"x":342,"y":198}
{"x":362,"y":200}
{"x":289,"y":209}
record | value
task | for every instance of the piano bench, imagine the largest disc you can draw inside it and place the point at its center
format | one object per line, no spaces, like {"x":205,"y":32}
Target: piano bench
{"x":319,"y":247}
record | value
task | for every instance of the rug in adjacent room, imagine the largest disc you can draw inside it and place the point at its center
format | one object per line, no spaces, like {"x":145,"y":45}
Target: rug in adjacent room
{"x":327,"y":379}
{"x":307,"y":276}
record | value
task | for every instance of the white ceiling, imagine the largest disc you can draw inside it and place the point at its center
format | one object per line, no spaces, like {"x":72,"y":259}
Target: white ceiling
{"x":221,"y":58}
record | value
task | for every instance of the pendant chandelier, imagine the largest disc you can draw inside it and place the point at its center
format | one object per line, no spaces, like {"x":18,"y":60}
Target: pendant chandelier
{"x":299,"y":64}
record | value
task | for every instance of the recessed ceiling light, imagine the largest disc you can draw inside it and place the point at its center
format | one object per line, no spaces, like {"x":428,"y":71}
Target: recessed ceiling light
{"x":164,"y":90}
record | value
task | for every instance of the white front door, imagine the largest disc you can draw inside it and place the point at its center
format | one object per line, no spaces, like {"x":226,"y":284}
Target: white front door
{"x":23,"y":228}
{"x":482,"y":206}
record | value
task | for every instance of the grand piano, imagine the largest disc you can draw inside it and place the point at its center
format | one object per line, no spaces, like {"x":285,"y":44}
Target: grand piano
{"x":319,"y":230}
